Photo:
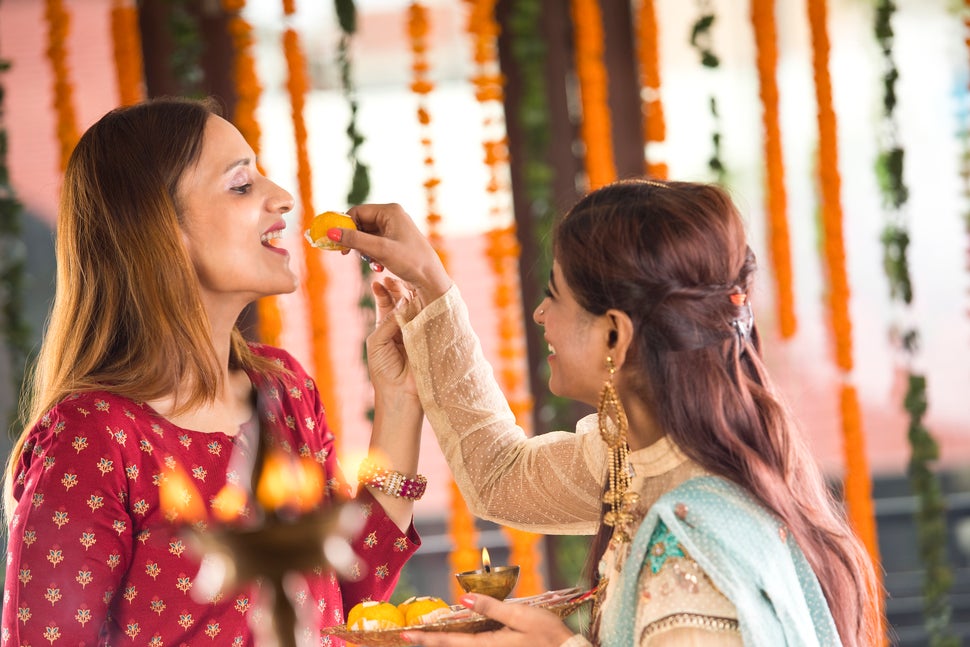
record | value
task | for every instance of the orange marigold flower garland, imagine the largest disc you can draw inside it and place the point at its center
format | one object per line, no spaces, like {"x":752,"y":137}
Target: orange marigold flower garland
{"x":857,"y":482}
{"x":316,"y":275}
{"x":503,"y":253}
{"x":596,"y":128}
{"x":58,"y":28}
{"x":648,"y":52}
{"x":126,"y":38}
{"x":248,"y":92}
{"x":418,"y":29}
{"x":776,"y":200}
{"x":461,"y":524}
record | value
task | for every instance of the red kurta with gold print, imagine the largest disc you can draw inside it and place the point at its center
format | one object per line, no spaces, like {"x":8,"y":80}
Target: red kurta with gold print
{"x":93,"y":560}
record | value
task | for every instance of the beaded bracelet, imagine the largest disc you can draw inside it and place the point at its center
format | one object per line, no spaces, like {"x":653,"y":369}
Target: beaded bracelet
{"x":390,"y":482}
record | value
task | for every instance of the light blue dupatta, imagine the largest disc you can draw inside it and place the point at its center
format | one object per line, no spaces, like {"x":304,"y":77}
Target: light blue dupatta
{"x":747,"y":554}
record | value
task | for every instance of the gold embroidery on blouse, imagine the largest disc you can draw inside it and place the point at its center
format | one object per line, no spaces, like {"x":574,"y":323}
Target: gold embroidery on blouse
{"x":692,"y":620}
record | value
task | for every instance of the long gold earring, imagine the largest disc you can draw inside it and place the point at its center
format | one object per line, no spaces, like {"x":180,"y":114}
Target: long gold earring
{"x":619,"y":496}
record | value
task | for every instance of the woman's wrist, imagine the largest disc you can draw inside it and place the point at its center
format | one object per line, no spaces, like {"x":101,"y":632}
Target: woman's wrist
{"x":433,"y":286}
{"x":391,"y":482}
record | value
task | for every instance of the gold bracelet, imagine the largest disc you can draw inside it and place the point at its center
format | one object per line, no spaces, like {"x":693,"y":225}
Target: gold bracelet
{"x":391,"y":482}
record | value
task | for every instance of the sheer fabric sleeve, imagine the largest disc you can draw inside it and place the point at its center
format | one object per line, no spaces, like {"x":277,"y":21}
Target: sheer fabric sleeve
{"x":547,"y":484}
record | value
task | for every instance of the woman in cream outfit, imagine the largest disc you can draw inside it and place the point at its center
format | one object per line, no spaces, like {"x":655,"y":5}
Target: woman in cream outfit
{"x":713,"y":523}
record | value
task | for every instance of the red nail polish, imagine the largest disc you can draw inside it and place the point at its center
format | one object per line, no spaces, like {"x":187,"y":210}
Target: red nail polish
{"x":467,"y":601}
{"x":335,"y":234}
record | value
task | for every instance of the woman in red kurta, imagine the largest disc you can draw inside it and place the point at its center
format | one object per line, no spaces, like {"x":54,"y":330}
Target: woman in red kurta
{"x":166,"y":232}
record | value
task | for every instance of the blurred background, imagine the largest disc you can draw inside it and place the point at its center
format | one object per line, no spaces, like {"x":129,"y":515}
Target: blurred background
{"x":64,"y":68}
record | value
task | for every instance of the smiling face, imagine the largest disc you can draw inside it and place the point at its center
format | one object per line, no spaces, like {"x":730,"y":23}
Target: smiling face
{"x":578,"y":342}
{"x":232,"y":217}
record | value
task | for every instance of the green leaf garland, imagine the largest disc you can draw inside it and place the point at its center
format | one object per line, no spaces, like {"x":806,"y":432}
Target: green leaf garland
{"x":14,"y":330}
{"x":700,"y":39}
{"x":360,"y":179}
{"x":930,"y":515}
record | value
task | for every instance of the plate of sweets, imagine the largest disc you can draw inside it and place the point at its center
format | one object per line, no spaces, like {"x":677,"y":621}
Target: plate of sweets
{"x":380,"y":624}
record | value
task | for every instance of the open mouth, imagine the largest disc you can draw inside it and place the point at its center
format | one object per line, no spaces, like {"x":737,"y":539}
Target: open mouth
{"x":270,"y":237}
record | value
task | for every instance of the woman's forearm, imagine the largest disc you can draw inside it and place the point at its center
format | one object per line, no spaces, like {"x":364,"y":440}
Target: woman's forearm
{"x":395,"y":443}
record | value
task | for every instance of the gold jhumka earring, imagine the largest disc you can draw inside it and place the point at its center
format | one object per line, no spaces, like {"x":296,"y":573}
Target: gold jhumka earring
{"x":619,"y":496}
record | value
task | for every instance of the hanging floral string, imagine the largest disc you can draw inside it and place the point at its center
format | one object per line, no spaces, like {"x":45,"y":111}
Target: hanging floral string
{"x":529,"y":56}
{"x":422,"y":86}
{"x":596,"y":129}
{"x":297,"y":85}
{"x":360,"y":179}
{"x":126,"y":38}
{"x":700,"y":39}
{"x":503,"y":255}
{"x":360,"y":182}
{"x":857,"y":483}
{"x":931,"y":532}
{"x":58,"y":29}
{"x":648,"y":52}
{"x":248,"y":92}
{"x":776,"y":200}
{"x":461,"y":524}
{"x":14,"y":329}
{"x":188,"y":45}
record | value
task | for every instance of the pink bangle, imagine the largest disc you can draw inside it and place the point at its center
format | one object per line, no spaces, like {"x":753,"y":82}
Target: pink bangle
{"x":390,"y":482}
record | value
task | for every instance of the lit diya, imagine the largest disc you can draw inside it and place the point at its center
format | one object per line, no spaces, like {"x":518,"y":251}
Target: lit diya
{"x":494,"y":581}
{"x":290,"y":534}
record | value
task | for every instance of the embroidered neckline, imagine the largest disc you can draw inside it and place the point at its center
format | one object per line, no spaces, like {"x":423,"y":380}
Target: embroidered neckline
{"x":656,"y":459}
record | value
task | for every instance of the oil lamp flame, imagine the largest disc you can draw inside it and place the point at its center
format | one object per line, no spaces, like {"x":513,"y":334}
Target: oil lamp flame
{"x":486,"y":562}
{"x":230,"y":503}
{"x":180,"y":499}
{"x":288,"y":483}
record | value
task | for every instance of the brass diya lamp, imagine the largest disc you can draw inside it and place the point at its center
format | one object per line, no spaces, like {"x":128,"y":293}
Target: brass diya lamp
{"x":285,"y":531}
{"x":493,"y":581}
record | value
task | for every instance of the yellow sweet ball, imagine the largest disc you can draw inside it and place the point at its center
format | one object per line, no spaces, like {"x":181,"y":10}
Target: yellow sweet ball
{"x":426,"y":610}
{"x":374,"y":615}
{"x":403,"y":606}
{"x":316,"y":235}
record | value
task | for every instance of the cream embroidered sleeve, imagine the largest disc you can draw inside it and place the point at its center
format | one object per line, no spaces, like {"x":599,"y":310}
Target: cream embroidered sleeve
{"x":549,"y":483}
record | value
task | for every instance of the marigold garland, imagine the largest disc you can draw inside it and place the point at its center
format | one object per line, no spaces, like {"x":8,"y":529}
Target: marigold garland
{"x":126,"y":38}
{"x":857,"y":483}
{"x":418,"y":28}
{"x":503,"y":252}
{"x":776,"y":199}
{"x":316,"y":275}
{"x":58,"y":29}
{"x":596,"y":128}
{"x":648,"y":52}
{"x":461,"y":524}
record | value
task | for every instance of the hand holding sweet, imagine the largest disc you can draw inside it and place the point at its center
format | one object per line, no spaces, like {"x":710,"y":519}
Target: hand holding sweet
{"x":387,"y":234}
{"x":525,"y":626}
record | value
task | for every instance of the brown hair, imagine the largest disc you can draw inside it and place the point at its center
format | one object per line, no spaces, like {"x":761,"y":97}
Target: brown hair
{"x":671,"y":255}
{"x":127,"y":314}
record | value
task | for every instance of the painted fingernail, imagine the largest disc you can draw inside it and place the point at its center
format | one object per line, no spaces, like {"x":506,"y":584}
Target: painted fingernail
{"x":376,"y":267}
{"x":335,"y":234}
{"x":467,"y":601}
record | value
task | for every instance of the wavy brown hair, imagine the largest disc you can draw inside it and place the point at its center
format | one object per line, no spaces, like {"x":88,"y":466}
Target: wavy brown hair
{"x":127,"y":315}
{"x":670,"y":255}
